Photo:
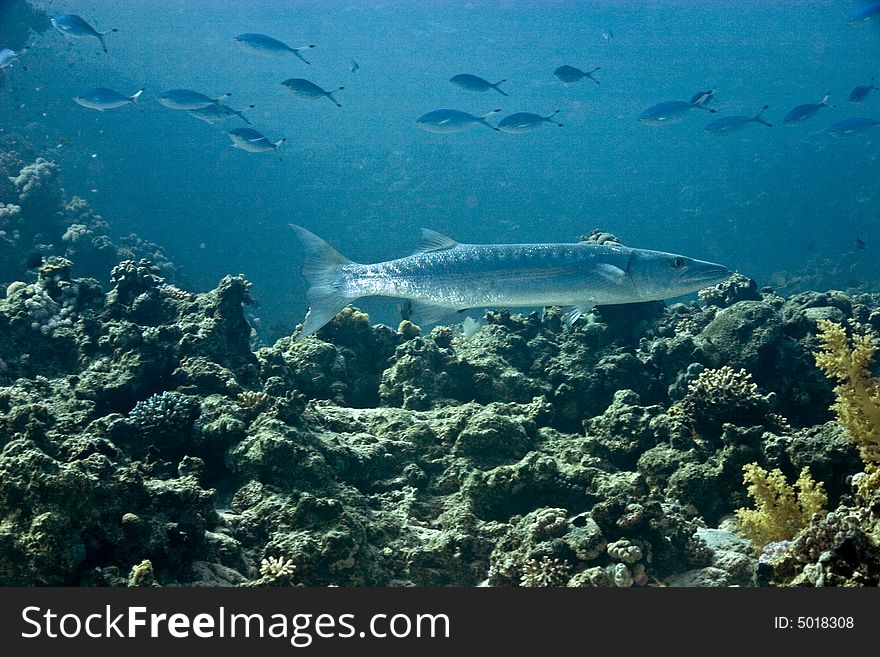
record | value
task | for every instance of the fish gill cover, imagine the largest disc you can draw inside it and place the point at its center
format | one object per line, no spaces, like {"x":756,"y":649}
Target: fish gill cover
{"x":607,"y":446}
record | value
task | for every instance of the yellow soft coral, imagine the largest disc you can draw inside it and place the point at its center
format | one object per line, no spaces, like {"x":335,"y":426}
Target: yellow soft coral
{"x":781,"y":511}
{"x":858,"y":393}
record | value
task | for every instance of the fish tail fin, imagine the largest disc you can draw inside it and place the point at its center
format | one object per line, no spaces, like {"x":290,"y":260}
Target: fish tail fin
{"x":101,"y":39}
{"x":759,"y":117}
{"x":277,"y":143}
{"x":136,"y":96}
{"x":824,"y":100}
{"x":498,"y":89}
{"x":330,"y":96}
{"x":549,"y":118}
{"x":240,"y":114}
{"x":323,"y":271}
{"x":590,"y":75}
{"x":486,"y":116}
{"x":296,"y":52}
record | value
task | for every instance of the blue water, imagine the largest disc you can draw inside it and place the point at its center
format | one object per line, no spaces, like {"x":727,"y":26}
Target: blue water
{"x":364,"y":177}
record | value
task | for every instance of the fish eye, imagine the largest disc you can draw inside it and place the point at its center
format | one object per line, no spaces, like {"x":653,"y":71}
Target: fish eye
{"x":677,"y":263}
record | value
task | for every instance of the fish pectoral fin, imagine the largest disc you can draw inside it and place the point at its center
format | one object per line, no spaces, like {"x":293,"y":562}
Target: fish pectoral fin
{"x":611,"y":273}
{"x":576,"y":312}
{"x":431,"y":313}
{"x":434,"y":241}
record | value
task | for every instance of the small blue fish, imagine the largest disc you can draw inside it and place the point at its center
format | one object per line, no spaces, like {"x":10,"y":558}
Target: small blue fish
{"x":185,"y":99}
{"x":102,"y":99}
{"x":669,"y":111}
{"x":72,"y":25}
{"x":521,"y":122}
{"x":864,"y":14}
{"x":308,"y":90}
{"x":607,"y":34}
{"x":452,"y":120}
{"x":854,"y":125}
{"x":860,"y":91}
{"x":267,"y":46}
{"x":353,"y":67}
{"x":728,"y":124}
{"x":475,"y":83}
{"x":569,"y":74}
{"x":217,"y":112}
{"x":806,"y":111}
{"x":252,"y":141}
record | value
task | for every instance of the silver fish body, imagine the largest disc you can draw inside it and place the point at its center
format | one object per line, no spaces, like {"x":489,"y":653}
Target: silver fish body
{"x":267,"y":46}
{"x":7,"y":58}
{"x":805,"y":111}
{"x":854,"y":125}
{"x":445,"y":120}
{"x":470,"y":82}
{"x":308,"y":90}
{"x":75,"y":26}
{"x":445,"y":276}
{"x":218,"y":112}
{"x":186,"y":99}
{"x":248,"y":139}
{"x":520,"y":122}
{"x":102,"y":99}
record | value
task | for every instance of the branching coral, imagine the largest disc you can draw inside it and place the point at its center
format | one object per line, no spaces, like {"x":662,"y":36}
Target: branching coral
{"x":858,"y":393}
{"x":781,"y":511}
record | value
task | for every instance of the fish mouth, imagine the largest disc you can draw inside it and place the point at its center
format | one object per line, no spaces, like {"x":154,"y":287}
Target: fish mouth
{"x":705,"y":273}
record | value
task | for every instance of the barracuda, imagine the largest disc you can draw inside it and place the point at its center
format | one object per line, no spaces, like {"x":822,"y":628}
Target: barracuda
{"x":444,"y":277}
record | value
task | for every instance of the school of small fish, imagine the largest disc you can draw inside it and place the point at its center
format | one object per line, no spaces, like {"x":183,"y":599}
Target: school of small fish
{"x":213,"y":108}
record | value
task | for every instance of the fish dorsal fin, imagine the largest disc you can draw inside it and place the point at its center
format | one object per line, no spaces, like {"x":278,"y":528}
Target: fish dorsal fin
{"x":434,"y":241}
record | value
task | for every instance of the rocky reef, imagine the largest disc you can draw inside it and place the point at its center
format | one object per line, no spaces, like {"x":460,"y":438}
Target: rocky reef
{"x":144,"y":442}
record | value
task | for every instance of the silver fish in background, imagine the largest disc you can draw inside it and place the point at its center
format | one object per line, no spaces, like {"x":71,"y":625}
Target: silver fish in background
{"x":102,"y":99}
{"x":8,"y":57}
{"x":308,"y":90}
{"x":860,"y":91}
{"x":185,"y":99}
{"x":520,"y":122}
{"x":217,"y":112}
{"x":805,"y":111}
{"x":266,"y":46}
{"x":470,"y":82}
{"x":854,"y":125}
{"x":570,"y":74}
{"x":864,"y":14}
{"x":670,"y":111}
{"x":444,"y":277}
{"x":248,"y":139}
{"x":703,"y":98}
{"x":72,"y":25}
{"x":728,"y":124}
{"x":452,"y":120}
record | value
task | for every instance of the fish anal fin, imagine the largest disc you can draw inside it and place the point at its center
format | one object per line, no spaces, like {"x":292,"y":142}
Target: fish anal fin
{"x":431,"y":313}
{"x":576,"y":312}
{"x":434,"y":241}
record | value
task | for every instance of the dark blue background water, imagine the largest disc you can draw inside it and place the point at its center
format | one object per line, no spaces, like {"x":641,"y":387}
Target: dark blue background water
{"x":364,"y":177}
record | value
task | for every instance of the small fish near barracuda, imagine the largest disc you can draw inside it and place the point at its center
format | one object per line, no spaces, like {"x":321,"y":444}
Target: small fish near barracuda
{"x":218,"y":112}
{"x":860,"y":92}
{"x":470,"y":82}
{"x":446,"y":121}
{"x":852,"y":126}
{"x":864,"y":14}
{"x":248,"y":139}
{"x":806,"y":111}
{"x":671,"y":111}
{"x":103,"y":99}
{"x":444,"y":277}
{"x":186,"y":99}
{"x":727,"y":124}
{"x":570,"y":74}
{"x":71,"y":25}
{"x":521,"y":122}
{"x":308,"y":90}
{"x":266,"y":46}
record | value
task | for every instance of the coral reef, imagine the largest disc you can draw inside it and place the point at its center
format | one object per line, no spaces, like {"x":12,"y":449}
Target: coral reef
{"x":781,"y":510}
{"x":145,"y":440}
